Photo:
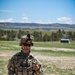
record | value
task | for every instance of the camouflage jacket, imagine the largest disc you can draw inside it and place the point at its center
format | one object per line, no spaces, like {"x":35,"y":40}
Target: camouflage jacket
{"x":22,"y":65}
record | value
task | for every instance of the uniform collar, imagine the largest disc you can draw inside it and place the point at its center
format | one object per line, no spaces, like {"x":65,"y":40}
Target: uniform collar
{"x":25,"y":54}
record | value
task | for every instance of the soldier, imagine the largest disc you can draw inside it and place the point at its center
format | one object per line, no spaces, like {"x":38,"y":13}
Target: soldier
{"x":23,"y":63}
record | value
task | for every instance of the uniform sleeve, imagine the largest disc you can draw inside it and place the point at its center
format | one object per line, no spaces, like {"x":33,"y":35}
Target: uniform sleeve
{"x":39,"y":71}
{"x":10,"y":67}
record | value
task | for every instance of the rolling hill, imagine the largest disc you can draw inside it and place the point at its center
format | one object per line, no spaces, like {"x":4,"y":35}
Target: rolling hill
{"x":36,"y":26}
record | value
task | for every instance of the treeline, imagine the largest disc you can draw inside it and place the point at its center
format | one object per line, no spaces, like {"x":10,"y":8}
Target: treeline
{"x":11,"y":35}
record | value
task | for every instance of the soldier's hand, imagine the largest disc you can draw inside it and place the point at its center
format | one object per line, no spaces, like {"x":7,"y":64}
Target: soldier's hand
{"x":36,"y":67}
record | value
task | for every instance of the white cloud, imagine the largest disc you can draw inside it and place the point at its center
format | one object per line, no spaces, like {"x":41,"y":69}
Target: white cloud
{"x":41,"y":22}
{"x":24,"y":19}
{"x":49,"y":21}
{"x":67,"y":20}
{"x":7,"y":11}
{"x":2,"y":20}
{"x":63,"y":19}
{"x":7,"y":20}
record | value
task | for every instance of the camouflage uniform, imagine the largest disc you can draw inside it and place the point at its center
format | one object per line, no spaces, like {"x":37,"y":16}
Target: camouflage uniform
{"x":22,"y":64}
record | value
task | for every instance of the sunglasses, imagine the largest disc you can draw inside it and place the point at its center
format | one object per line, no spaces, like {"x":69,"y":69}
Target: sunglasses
{"x":26,"y":44}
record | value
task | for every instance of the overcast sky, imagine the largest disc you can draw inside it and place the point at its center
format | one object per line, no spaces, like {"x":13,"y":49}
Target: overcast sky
{"x":37,"y":11}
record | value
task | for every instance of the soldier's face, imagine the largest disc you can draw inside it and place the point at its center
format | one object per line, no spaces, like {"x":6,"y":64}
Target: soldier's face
{"x":26,"y":48}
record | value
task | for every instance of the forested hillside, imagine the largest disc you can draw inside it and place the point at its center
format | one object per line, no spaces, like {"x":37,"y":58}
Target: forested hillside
{"x":37,"y":26}
{"x":38,"y":35}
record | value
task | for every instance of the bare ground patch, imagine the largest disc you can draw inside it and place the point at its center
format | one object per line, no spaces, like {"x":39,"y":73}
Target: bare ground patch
{"x":62,"y":61}
{"x":59,"y":61}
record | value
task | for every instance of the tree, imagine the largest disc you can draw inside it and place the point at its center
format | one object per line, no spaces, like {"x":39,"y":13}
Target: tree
{"x":37,"y":36}
{"x":13,"y":35}
{"x":19,"y":34}
{"x":59,"y":33}
{"x":8,"y":35}
{"x":70,"y":35}
{"x":54,"y":37}
{"x":46,"y":37}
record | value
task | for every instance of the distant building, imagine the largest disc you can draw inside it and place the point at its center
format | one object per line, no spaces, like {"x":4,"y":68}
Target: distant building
{"x":65,"y":40}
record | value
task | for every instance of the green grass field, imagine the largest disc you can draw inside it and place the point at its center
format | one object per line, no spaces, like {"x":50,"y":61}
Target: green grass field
{"x":55,"y":44}
{"x":53,"y":62}
{"x":15,"y":45}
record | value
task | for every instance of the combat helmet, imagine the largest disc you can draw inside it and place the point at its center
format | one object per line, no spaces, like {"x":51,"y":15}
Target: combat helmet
{"x":26,"y":39}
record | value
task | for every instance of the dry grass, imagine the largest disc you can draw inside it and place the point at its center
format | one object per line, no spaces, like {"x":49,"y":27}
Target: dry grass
{"x":52,"y":65}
